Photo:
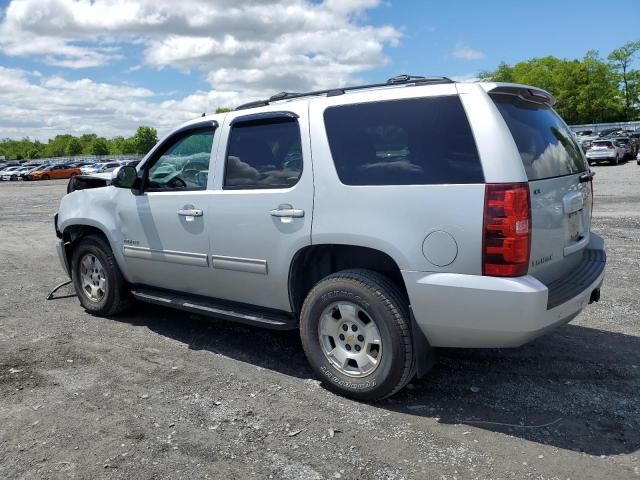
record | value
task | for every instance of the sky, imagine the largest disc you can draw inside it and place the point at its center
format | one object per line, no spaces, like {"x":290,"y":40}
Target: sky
{"x":108,"y":66}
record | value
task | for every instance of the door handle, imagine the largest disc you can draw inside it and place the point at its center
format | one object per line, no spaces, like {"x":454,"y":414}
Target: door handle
{"x":190,"y":212}
{"x":287,"y":211}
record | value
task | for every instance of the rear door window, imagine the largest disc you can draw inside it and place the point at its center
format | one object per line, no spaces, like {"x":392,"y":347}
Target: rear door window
{"x":418,"y":141}
{"x":264,"y":154}
{"x":547,"y":147}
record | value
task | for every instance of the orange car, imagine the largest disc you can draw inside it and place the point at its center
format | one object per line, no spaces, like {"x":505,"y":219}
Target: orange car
{"x":54,"y":172}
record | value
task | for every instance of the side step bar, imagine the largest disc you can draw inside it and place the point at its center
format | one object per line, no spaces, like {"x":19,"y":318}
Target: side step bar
{"x":210,"y":307}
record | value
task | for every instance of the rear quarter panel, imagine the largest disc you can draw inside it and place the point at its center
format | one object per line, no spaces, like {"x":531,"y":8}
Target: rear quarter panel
{"x":393,"y":219}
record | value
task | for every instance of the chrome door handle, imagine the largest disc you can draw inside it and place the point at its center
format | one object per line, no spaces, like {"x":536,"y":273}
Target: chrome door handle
{"x":287,"y":211}
{"x":190,"y":212}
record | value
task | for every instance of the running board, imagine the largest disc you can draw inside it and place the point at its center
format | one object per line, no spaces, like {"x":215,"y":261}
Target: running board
{"x":271,"y":319}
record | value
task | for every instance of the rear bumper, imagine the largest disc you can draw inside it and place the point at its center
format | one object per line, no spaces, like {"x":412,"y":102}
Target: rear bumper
{"x":472,"y":311}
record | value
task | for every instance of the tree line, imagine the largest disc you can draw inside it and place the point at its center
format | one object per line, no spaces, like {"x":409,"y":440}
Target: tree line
{"x":588,"y":90}
{"x":87,"y":144}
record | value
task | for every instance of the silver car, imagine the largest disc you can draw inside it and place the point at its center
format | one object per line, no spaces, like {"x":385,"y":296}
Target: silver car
{"x":608,"y":151}
{"x":9,"y":172}
{"x":382,"y":221}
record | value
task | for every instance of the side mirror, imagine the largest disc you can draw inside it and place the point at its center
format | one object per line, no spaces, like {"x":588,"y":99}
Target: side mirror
{"x":126,"y":177}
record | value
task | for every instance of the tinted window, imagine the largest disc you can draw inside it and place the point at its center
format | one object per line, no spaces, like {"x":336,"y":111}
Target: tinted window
{"x":184,"y":165}
{"x":403,"y":142}
{"x":264,"y":154}
{"x":602,"y":144}
{"x":546,"y":145}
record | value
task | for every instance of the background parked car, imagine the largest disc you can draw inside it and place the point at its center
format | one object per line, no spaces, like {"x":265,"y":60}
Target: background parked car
{"x":54,"y":172}
{"x":628,"y":145}
{"x":15,"y":174}
{"x":30,"y":169}
{"x":7,"y":172}
{"x":103,"y":167}
{"x":605,"y":151}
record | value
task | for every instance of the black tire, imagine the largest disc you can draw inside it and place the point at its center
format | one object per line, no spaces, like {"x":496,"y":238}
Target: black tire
{"x":616,"y":161}
{"x":45,"y":177}
{"x":389,"y":310}
{"x":13,"y":178}
{"x":117,"y":298}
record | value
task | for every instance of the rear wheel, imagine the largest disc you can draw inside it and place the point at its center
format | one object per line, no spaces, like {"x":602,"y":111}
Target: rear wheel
{"x":14,"y":178}
{"x":97,"y":279}
{"x":45,"y":177}
{"x":355,"y":332}
{"x":616,"y":161}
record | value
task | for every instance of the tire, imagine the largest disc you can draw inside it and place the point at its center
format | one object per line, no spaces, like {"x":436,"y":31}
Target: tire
{"x":13,"y":178}
{"x":349,"y":298}
{"x":616,"y":161}
{"x":45,"y":177}
{"x":103,"y":292}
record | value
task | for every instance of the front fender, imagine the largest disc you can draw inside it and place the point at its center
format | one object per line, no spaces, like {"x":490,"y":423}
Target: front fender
{"x":94,"y":208}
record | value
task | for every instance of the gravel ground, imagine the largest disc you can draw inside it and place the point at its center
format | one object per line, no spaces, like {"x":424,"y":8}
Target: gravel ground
{"x":161,"y":394}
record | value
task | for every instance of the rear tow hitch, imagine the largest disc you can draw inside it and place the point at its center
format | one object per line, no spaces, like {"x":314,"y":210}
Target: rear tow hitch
{"x":595,"y":296}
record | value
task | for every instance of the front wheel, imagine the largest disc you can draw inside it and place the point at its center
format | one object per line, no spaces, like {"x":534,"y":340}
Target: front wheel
{"x":356,"y":334}
{"x":97,"y":279}
{"x":45,"y":177}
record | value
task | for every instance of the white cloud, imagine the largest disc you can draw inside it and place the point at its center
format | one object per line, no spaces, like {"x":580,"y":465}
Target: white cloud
{"x":244,"y":49}
{"x":43,"y":106}
{"x":306,"y":42}
{"x":464,"y":52}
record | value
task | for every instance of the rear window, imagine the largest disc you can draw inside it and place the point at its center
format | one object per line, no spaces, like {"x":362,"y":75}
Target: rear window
{"x":602,"y":144}
{"x":418,"y":141}
{"x":547,"y":147}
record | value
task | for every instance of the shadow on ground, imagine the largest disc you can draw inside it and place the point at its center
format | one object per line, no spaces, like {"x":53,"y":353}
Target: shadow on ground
{"x":576,"y":389}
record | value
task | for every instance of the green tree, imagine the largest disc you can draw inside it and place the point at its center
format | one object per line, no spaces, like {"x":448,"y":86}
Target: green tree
{"x":99,"y":147}
{"x":223,"y":110}
{"x":621,"y":60}
{"x":504,"y":73}
{"x":585,"y":90}
{"x":144,"y":139}
{"x":74,"y":147}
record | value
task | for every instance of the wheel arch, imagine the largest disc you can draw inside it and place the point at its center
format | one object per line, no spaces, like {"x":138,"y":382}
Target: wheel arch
{"x":71,"y":234}
{"x":312,"y":263}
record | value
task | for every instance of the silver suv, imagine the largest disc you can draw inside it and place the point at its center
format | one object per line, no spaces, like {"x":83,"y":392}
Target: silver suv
{"x":382,"y":221}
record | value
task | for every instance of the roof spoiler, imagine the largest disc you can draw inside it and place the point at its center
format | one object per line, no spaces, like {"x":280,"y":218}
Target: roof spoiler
{"x":526,"y":92}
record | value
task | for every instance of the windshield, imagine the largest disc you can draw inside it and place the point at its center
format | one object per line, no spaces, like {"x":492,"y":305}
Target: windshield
{"x":547,"y":147}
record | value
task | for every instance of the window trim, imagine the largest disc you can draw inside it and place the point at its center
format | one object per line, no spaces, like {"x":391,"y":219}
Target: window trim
{"x":377,"y":101}
{"x":209,"y":126}
{"x":264,"y":118}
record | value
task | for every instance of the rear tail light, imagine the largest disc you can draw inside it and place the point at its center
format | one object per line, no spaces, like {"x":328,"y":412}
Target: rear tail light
{"x":610,"y":147}
{"x":507,"y":230}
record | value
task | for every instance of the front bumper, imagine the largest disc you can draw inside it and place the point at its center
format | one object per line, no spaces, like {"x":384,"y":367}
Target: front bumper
{"x":473,"y":311}
{"x":62,"y":256}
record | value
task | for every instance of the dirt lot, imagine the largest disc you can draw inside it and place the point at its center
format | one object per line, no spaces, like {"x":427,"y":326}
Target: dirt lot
{"x":161,"y":394}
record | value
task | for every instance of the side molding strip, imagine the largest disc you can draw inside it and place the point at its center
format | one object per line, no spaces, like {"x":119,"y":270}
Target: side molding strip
{"x":249,"y":265}
{"x":170,"y":256}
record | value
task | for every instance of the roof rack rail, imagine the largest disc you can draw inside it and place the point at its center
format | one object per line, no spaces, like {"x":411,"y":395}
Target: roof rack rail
{"x":331,"y":92}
